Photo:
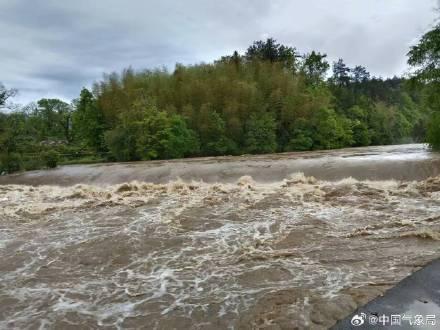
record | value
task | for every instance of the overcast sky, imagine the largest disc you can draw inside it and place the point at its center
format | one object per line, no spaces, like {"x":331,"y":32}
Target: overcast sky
{"x":51,"y":48}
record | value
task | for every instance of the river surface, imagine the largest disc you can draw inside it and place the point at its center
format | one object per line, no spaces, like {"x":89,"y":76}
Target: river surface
{"x":254,"y":242}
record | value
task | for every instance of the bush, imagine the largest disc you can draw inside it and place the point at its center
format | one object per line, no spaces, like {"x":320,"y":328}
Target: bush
{"x":32,"y":164}
{"x":50,"y":158}
{"x":301,"y":142}
{"x":122,"y":144}
{"x":361,"y":135}
{"x":433,"y":132}
{"x":10,"y":163}
{"x":261,"y":134}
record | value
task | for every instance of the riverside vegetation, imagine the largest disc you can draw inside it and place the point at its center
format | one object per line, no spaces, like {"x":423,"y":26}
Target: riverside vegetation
{"x":270,"y":99}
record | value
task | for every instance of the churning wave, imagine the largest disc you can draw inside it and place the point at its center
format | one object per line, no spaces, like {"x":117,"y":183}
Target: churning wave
{"x":298,"y":252}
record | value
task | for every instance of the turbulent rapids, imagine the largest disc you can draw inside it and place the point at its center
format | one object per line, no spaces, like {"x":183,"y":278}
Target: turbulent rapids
{"x":297,"y":252}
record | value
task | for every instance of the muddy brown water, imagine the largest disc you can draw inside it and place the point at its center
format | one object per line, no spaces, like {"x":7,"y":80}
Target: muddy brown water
{"x":274,"y":242}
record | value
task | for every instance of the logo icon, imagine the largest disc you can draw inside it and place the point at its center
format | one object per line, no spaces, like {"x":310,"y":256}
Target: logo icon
{"x":358,"y":319}
{"x":373,"y":320}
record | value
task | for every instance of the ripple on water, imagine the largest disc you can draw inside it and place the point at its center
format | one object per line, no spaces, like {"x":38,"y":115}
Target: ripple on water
{"x":299,"y":252}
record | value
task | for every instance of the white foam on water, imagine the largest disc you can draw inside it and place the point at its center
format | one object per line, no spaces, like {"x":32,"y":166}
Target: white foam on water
{"x":209,"y":252}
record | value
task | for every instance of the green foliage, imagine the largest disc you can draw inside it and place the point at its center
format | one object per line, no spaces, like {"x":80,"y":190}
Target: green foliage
{"x":433,"y":130}
{"x":300,"y":142}
{"x":162,"y":136}
{"x":425,"y":58}
{"x":180,"y":141}
{"x":269,"y":99}
{"x":10,"y":162}
{"x":5,"y":94}
{"x":122,"y":144}
{"x":315,"y":67}
{"x":221,"y":103}
{"x":271,"y":51}
{"x":88,"y":122}
{"x":50,"y":158}
{"x":32,"y":163}
{"x":212,"y":132}
{"x":147,"y":133}
{"x":341,"y":73}
{"x":330,"y":130}
{"x":261,"y":134}
{"x":52,"y":118}
{"x":361,"y":135}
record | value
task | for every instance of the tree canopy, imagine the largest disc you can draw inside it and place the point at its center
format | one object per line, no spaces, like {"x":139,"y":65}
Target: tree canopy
{"x":425,"y":58}
{"x":5,"y":94}
{"x":269,"y":99}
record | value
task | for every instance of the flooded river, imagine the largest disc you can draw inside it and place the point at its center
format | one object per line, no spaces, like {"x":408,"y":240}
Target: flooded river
{"x":274,"y":242}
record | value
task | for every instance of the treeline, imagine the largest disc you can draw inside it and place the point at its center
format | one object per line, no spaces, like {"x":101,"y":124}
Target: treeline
{"x":270,"y":99}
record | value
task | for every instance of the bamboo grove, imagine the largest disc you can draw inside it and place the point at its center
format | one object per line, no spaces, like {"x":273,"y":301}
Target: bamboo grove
{"x":269,"y":99}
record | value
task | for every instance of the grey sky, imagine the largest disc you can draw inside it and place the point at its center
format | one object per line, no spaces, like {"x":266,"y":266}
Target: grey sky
{"x":51,"y":48}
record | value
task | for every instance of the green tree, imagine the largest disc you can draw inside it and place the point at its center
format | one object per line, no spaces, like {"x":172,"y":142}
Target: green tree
{"x":432,"y":134}
{"x":341,"y":73}
{"x":360,"y":74}
{"x":272,"y":51}
{"x":50,"y":158}
{"x":88,"y":121}
{"x":315,"y":67}
{"x":330,"y":130}
{"x":165,"y":136}
{"x":301,"y":137}
{"x":361,"y":134}
{"x":212,"y":131}
{"x":147,"y":133}
{"x":12,"y":136}
{"x":121,"y":142}
{"x":54,"y":119}
{"x":5,"y":94}
{"x":221,"y":103}
{"x":261,"y":134}
{"x":425,"y":58}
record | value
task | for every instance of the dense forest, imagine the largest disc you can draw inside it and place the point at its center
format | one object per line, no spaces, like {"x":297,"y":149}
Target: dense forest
{"x":270,"y":99}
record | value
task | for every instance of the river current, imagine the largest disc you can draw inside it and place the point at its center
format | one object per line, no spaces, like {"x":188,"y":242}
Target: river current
{"x":273,"y":242}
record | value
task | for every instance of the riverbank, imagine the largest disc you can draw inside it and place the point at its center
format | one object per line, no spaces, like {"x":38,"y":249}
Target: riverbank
{"x":399,"y":162}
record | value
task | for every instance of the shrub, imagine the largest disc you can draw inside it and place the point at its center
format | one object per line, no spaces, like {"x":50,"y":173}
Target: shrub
{"x":261,"y":134}
{"x":433,"y":132}
{"x":50,"y":158}
{"x":301,"y":142}
{"x":10,"y":163}
{"x":32,"y":164}
{"x":122,"y":144}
